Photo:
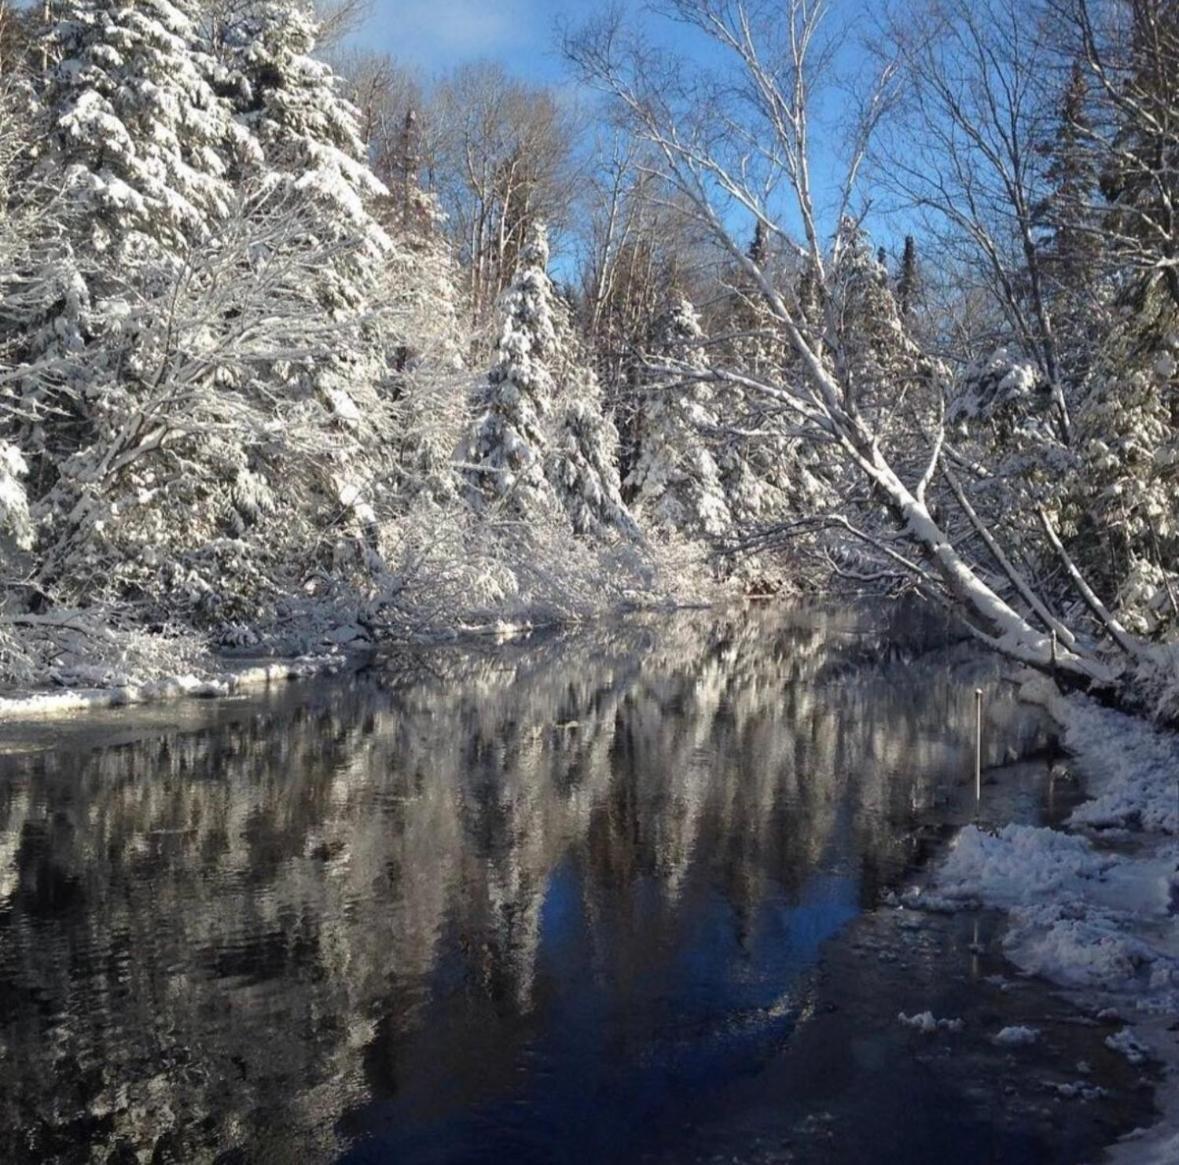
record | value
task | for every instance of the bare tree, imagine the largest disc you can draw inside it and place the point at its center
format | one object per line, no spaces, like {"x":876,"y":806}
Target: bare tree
{"x":963,"y":145}
{"x":502,"y":159}
{"x":736,"y":146}
{"x":395,"y":123}
{"x":1131,"y":48}
{"x":338,"y":19}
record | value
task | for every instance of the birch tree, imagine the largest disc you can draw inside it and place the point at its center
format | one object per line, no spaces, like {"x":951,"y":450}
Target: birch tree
{"x":737,"y":147}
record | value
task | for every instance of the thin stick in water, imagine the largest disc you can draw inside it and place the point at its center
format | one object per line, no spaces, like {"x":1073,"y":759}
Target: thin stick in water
{"x":978,"y":746}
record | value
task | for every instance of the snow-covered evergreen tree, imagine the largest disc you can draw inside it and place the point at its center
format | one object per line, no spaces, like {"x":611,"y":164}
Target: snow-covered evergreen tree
{"x":884,"y":367}
{"x":133,"y":148}
{"x":134,"y":126}
{"x":1123,"y":502}
{"x":542,"y":445}
{"x":15,"y":523}
{"x":311,"y":149}
{"x":764,"y":472}
{"x":584,"y":460}
{"x":676,"y":482}
{"x":208,"y":406}
{"x":504,"y":458}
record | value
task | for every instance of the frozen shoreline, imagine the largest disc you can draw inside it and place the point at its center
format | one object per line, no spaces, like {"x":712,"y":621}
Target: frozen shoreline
{"x":1091,"y":907}
{"x":47,"y":703}
{"x":344,"y":647}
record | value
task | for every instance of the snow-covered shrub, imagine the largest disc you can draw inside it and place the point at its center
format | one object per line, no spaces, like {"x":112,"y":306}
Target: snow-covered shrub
{"x":15,"y":523}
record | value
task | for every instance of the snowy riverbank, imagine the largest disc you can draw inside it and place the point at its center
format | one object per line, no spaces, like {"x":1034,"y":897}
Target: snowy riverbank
{"x":233,"y":679}
{"x":1092,"y":907}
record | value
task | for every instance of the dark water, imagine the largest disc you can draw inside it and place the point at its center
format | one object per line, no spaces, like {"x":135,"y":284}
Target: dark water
{"x":599,"y":897}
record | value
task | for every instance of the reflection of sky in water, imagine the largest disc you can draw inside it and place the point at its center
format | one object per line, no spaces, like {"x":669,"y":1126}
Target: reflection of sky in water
{"x":638,"y":1047}
{"x":529,"y":904}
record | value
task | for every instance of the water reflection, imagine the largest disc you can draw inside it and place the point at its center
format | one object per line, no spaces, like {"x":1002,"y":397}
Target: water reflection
{"x":528,"y":900}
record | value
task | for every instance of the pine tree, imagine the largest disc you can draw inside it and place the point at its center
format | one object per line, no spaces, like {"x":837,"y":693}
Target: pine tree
{"x":759,"y":464}
{"x":1071,"y":250}
{"x":213,"y":405}
{"x":311,"y":150}
{"x":136,"y":141}
{"x":504,"y":459}
{"x":543,"y":444}
{"x":1141,"y":176}
{"x":584,"y":464}
{"x":15,"y":522}
{"x":880,"y":362}
{"x":135,"y":127}
{"x":676,"y":482}
{"x":1122,"y":505}
{"x":909,"y":281}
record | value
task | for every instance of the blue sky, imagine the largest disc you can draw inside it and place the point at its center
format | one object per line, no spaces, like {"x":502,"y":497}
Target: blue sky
{"x":436,"y":35}
{"x":433,"y":36}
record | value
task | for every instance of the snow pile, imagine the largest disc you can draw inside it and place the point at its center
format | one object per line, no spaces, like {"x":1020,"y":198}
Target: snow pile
{"x":927,"y":1025}
{"x":1018,"y":864}
{"x":1073,"y":910}
{"x":1132,"y":770}
{"x":1100,"y":924}
{"x":1125,"y":1043}
{"x":1017,"y":1036}
{"x":1081,"y":945}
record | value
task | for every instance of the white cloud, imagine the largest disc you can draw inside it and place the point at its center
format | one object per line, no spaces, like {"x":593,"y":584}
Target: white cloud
{"x":437,"y":32}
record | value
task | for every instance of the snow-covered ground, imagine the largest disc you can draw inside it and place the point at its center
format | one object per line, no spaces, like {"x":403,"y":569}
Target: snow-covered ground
{"x":1092,"y":907}
{"x":38,"y":704}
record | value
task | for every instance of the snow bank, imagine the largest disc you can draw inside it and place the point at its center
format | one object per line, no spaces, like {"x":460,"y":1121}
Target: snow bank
{"x":927,"y":1025}
{"x":1081,"y":945}
{"x":43,"y":704}
{"x":1016,"y":1036}
{"x":1130,"y":769}
{"x":1018,"y":864}
{"x":1098,"y":923}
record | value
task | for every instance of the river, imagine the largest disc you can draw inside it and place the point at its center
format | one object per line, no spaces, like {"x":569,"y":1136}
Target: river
{"x":607,"y":895}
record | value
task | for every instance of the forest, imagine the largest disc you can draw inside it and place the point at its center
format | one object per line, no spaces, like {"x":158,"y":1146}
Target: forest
{"x":300,"y":346}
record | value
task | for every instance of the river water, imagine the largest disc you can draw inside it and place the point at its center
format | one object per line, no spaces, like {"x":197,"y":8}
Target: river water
{"x":612,"y":896}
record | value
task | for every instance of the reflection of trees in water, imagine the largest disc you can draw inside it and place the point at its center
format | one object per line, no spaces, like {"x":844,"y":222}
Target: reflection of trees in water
{"x":231,"y":936}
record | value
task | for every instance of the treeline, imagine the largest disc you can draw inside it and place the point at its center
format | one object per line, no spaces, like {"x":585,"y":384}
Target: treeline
{"x":282,"y":353}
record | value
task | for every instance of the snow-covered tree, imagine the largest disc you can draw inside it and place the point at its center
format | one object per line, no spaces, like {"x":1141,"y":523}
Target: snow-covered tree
{"x":308,"y":133}
{"x":1132,"y":49}
{"x":504,"y":458}
{"x":765,"y":474}
{"x":891,"y":383}
{"x":542,"y":445}
{"x":133,"y":148}
{"x":207,"y":408}
{"x":134,"y":126}
{"x":1123,"y":502}
{"x":676,"y":482}
{"x":216,"y":468}
{"x":15,"y":523}
{"x":584,"y":458}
